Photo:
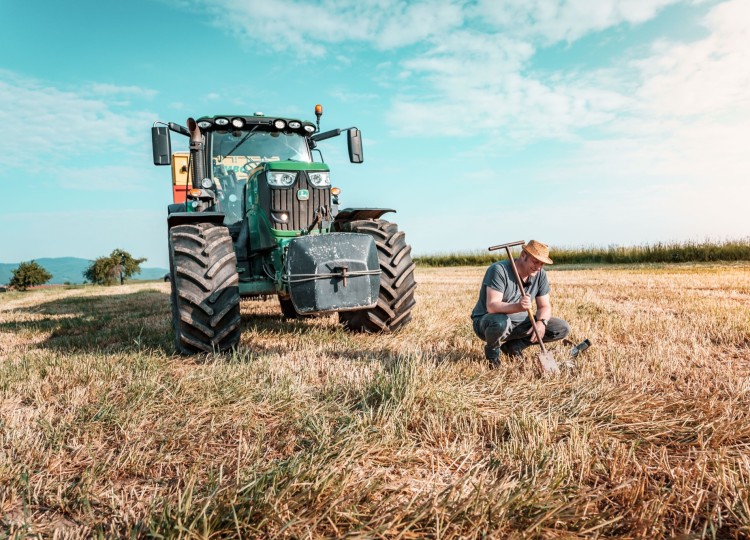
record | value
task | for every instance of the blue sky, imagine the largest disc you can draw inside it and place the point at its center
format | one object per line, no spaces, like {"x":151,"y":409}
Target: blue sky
{"x":576,"y":123}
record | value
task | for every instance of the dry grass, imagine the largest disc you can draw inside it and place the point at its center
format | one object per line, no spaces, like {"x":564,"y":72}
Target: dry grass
{"x":308,"y":431}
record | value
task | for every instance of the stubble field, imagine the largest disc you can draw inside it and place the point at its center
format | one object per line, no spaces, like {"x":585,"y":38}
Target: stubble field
{"x":308,"y":431}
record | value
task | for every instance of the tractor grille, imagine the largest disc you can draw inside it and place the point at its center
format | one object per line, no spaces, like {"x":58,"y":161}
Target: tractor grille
{"x":301,"y":213}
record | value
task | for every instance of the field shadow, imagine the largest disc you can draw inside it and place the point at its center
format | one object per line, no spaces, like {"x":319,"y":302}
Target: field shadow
{"x":142,"y":321}
{"x":276,"y":335}
{"x":114,"y":323}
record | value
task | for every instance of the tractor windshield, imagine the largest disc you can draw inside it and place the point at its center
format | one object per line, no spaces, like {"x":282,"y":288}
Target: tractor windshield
{"x":242,"y":151}
{"x":234,"y":155}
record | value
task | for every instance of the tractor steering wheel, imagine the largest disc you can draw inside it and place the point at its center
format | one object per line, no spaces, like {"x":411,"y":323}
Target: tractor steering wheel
{"x":249,"y":166}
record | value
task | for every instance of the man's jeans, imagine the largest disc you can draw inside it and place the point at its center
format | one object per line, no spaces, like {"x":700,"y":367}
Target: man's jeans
{"x":496,"y":329}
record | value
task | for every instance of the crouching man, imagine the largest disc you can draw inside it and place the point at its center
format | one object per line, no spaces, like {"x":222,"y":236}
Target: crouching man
{"x":500,"y":317}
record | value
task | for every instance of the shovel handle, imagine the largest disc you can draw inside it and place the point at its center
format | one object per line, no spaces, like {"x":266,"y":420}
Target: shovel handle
{"x":508,"y":245}
{"x":523,"y":292}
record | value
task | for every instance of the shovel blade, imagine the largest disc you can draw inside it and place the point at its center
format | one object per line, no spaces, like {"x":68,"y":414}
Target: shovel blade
{"x":548,"y":364}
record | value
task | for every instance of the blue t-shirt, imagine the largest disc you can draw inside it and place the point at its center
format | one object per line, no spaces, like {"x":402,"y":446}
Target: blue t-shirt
{"x":500,"y":277}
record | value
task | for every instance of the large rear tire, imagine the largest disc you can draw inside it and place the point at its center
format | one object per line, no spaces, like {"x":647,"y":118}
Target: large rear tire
{"x":397,"y":284}
{"x":205,"y":292}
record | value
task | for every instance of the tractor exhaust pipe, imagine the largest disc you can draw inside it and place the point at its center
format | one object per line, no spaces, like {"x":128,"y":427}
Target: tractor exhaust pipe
{"x":197,"y":153}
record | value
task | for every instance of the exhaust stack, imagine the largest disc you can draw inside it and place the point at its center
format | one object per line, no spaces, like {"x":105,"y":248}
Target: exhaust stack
{"x":197,"y":151}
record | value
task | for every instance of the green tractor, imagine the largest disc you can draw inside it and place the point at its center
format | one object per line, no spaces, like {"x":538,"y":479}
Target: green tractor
{"x":255,"y":216}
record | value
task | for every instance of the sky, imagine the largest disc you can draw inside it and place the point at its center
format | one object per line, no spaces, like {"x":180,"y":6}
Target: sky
{"x":576,"y":123}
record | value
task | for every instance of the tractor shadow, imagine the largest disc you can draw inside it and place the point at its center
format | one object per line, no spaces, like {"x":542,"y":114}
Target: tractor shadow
{"x":116,"y":323}
{"x":266,"y":332}
{"x":141,"y":321}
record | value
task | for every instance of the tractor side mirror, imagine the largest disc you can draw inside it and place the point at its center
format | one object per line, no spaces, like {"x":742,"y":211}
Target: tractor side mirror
{"x":355,"y":146}
{"x":162,"y":145}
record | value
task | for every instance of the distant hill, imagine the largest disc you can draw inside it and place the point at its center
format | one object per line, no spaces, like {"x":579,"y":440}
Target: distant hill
{"x":70,"y":270}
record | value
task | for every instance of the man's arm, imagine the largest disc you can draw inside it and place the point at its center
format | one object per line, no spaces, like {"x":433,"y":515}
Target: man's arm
{"x":495,"y":303}
{"x":543,"y":313}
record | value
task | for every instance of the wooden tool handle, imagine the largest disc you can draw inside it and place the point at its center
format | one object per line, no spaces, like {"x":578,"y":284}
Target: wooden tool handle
{"x":523,"y":293}
{"x":511,"y":244}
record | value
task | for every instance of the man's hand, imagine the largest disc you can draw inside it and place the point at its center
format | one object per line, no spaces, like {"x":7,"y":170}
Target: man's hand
{"x":525,"y":303}
{"x":540,"y":327}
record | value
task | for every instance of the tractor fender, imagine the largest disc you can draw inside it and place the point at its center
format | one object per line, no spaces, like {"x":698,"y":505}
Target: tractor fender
{"x":186,"y":218}
{"x":355,"y":214}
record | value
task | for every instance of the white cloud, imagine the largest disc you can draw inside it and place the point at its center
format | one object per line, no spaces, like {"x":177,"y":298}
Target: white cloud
{"x":115,"y":90}
{"x":309,"y":27}
{"x":564,"y":20}
{"x":705,"y":77}
{"x":480,"y":79}
{"x":57,"y":123}
{"x":677,"y":90}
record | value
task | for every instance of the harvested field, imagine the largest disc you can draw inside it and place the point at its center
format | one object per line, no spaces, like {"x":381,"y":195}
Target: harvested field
{"x":308,"y":431}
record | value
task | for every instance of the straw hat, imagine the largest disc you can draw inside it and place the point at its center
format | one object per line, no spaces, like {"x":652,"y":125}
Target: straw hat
{"x":538,"y":250}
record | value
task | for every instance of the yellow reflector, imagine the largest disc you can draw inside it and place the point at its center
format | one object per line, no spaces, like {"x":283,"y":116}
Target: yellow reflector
{"x":335,"y":191}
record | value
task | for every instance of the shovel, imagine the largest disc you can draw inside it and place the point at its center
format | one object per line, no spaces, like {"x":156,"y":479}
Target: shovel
{"x":546,"y":362}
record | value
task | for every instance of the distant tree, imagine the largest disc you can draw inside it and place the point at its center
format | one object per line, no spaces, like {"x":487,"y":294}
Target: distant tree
{"x":119,"y":265}
{"x":29,"y":274}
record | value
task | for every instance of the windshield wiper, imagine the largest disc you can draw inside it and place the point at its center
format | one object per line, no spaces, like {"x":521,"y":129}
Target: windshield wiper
{"x":246,"y":137}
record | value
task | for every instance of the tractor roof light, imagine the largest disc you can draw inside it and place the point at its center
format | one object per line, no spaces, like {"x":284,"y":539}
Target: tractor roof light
{"x":318,"y":114}
{"x":279,"y":124}
{"x":204,"y":124}
{"x":238,"y":122}
{"x":294,"y":124}
{"x":221,"y":121}
{"x":309,"y":128}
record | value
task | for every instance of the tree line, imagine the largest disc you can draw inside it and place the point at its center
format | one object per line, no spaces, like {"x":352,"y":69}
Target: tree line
{"x":107,"y":270}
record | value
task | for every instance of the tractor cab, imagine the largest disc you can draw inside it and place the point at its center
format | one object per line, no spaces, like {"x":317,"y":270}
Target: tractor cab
{"x":237,"y":151}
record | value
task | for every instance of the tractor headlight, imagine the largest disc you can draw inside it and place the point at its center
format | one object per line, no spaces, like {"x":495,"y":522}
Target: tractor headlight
{"x":320,"y":179}
{"x":281,"y":179}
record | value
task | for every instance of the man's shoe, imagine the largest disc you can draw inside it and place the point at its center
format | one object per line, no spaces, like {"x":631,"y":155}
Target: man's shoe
{"x":511,"y":350}
{"x":491,"y":353}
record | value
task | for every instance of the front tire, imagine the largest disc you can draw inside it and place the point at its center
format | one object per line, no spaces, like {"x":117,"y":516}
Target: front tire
{"x":205,"y":293}
{"x":397,"y":284}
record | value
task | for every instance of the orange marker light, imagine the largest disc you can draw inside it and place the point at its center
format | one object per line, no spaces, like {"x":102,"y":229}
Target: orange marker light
{"x":318,"y":110}
{"x":335,"y":191}
{"x":195,"y":192}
